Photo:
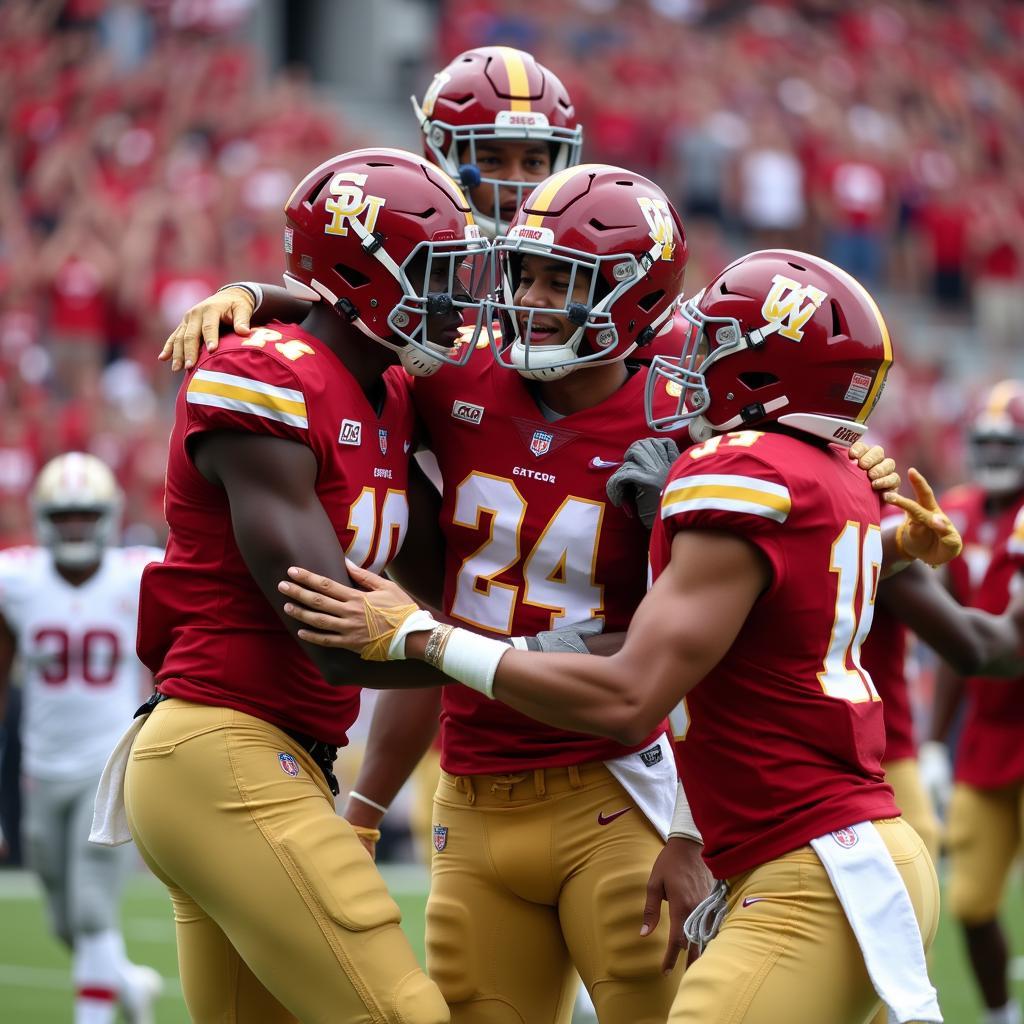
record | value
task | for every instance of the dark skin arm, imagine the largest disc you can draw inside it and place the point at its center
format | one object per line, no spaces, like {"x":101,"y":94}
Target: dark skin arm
{"x":277,"y":519}
{"x":973,"y":642}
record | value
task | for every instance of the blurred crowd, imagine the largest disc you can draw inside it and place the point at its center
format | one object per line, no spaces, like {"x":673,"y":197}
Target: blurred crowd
{"x":145,"y":154}
{"x":145,"y":158}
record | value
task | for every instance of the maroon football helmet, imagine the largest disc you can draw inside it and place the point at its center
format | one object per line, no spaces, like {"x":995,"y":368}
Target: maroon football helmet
{"x":620,"y":230}
{"x":388,"y":239}
{"x":495,"y":93}
{"x":778,"y":336}
{"x":996,"y":439}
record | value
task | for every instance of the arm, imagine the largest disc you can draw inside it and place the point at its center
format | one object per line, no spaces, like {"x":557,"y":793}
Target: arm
{"x":277,"y":521}
{"x":419,"y":565}
{"x":973,"y":642}
{"x":234,"y":306}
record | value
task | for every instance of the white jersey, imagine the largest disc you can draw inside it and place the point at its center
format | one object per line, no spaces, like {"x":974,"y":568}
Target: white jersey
{"x":76,"y":645}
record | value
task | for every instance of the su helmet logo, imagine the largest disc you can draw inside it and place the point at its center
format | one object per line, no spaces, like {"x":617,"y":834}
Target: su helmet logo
{"x":349,"y":202}
{"x":791,"y":304}
{"x":659,"y":220}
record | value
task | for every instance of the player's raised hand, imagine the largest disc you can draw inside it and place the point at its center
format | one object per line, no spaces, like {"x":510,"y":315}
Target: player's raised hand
{"x":232,"y":306}
{"x":364,"y":621}
{"x":880,"y":469}
{"x":679,"y":878}
{"x":926,"y":533}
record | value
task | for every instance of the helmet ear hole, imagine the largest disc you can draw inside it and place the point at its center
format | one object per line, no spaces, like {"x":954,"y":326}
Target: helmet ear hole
{"x":756,"y":380}
{"x":352,"y":277}
{"x":648,"y":302}
{"x":838,"y":321}
{"x":315,"y":194}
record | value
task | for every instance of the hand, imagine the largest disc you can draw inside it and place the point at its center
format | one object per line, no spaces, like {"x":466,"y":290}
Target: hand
{"x":566,"y":639}
{"x":642,"y":476}
{"x":927,"y":533}
{"x":232,"y":306}
{"x":881,"y":471}
{"x":338,"y":614}
{"x":936,"y":774}
{"x":680,"y":878}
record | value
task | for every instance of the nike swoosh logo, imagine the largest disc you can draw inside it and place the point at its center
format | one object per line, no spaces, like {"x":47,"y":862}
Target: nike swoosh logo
{"x":750,"y":900}
{"x":607,"y":819}
{"x":598,"y":463}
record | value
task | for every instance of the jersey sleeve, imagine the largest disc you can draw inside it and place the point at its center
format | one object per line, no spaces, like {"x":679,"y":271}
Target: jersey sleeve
{"x":731,"y":490}
{"x":248,"y":390}
{"x":16,"y":566}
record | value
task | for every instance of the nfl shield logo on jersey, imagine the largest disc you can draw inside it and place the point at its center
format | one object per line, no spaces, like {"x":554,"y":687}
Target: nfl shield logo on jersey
{"x":540,"y":443}
{"x":440,"y":837}
{"x":288,"y":764}
{"x":382,"y":437}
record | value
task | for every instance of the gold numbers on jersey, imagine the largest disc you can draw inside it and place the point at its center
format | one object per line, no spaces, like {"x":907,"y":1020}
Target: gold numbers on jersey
{"x":734,"y":439}
{"x":260,"y":337}
{"x":856,"y":560}
{"x":559,"y":573}
{"x":294,"y":349}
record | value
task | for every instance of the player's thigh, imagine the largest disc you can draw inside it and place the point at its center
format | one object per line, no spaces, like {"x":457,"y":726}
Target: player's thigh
{"x":96,"y":874}
{"x":421,"y":809}
{"x":790,"y":954}
{"x":262,"y":852}
{"x":982,"y":838}
{"x":904,"y":776}
{"x":601,"y":909}
{"x":497,"y":957}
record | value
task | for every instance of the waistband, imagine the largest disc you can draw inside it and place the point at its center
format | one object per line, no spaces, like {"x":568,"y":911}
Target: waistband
{"x":522,"y":787}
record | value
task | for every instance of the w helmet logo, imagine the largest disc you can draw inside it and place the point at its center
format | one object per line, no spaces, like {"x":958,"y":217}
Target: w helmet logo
{"x":348,"y":202}
{"x":791,"y":304}
{"x":659,"y":220}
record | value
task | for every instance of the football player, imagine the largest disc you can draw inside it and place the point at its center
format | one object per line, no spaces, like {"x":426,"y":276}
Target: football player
{"x":786,"y":358}
{"x":984,"y":818}
{"x":291,"y":441}
{"x":68,"y":611}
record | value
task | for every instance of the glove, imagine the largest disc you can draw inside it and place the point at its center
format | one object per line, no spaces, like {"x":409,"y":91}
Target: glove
{"x":936,"y":774}
{"x":926,"y":533}
{"x":564,"y":640}
{"x":642,"y":476}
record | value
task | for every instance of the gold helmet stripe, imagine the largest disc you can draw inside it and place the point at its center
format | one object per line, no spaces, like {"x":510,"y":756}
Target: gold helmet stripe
{"x":550,"y":189}
{"x":518,"y":81}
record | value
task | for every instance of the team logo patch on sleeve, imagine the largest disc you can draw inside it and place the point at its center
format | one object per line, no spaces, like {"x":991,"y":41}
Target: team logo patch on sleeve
{"x":243,"y":394}
{"x":440,"y":837}
{"x":288,"y":764}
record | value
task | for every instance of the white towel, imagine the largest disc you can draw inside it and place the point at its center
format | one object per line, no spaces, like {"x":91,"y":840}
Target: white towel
{"x":878,"y":907}
{"x":649,"y":776}
{"x":109,"y":818}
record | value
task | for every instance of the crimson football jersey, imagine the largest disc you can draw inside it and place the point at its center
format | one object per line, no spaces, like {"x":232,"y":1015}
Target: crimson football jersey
{"x":990,"y":752}
{"x":205,"y":628}
{"x":884,"y":657}
{"x":783,"y":739}
{"x":532,"y":542}
{"x":980,"y":531}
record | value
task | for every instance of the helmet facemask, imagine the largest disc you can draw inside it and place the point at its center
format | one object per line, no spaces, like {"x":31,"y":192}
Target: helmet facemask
{"x":996,"y":458}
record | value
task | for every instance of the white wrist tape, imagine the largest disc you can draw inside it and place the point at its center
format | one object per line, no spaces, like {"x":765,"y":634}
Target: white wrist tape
{"x":519,"y":643}
{"x":682,"y":819}
{"x":473,"y":660}
{"x":415,"y":623}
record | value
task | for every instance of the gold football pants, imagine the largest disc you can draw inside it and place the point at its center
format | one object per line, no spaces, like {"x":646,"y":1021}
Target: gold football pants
{"x":280,"y":914}
{"x":534,"y":875}
{"x":904,"y":776}
{"x":790,"y":955}
{"x":983,"y":836}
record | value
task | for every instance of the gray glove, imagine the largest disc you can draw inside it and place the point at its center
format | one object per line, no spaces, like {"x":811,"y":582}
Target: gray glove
{"x":642,"y":476}
{"x":564,"y":640}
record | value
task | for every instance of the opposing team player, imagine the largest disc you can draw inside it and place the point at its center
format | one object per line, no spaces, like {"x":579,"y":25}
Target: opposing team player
{"x":292,"y":440}
{"x":68,"y":610}
{"x":985,"y":814}
{"x":786,"y":358}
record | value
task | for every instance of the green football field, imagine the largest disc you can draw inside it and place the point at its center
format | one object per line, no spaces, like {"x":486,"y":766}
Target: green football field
{"x":35,"y":989}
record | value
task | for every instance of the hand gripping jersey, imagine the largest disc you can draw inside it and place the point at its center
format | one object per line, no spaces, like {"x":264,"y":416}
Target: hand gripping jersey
{"x":532,"y":541}
{"x":990,"y":752}
{"x":77,"y":650}
{"x":884,"y":659}
{"x":784,"y":738}
{"x":205,"y":629}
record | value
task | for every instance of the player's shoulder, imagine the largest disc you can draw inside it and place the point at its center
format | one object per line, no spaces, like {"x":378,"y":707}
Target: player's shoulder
{"x":745,"y":471}
{"x":21,"y":570}
{"x":279,"y":354}
{"x":453,"y":380}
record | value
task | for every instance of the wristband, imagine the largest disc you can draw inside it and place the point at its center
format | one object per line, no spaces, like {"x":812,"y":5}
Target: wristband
{"x":353,"y":795}
{"x":373,"y":834}
{"x":683,"y":824}
{"x":254,"y":288}
{"x":471,"y":659}
{"x":418,"y":621}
